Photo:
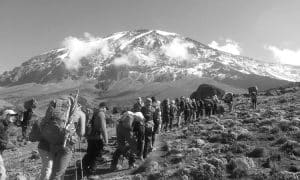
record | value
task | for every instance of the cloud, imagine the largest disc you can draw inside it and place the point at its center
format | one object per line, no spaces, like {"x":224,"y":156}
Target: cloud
{"x":177,"y":49}
{"x":230,"y":47}
{"x":135,"y":58}
{"x":79,"y":48}
{"x":285,"y":56}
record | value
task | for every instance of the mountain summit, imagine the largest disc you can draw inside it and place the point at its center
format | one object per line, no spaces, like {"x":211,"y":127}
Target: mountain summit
{"x":147,"y":56}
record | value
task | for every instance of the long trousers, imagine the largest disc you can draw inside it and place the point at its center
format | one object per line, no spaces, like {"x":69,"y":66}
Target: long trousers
{"x":94,"y":152}
{"x":127,"y":146}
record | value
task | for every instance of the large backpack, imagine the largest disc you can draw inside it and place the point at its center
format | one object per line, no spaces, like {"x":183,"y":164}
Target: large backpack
{"x":252,"y":89}
{"x":58,"y":116}
{"x":128,"y":117}
{"x":228,"y":97}
{"x":30,"y":104}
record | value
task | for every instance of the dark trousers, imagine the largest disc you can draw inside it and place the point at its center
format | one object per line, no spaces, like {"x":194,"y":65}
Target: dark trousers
{"x":254,"y":103}
{"x":140,"y":136}
{"x":94,"y":152}
{"x":155,"y":131}
{"x":172,"y":118}
{"x":148,"y":137}
{"x":24,"y":131}
{"x":127,"y":146}
{"x":187,"y":116}
{"x":208,"y":111}
{"x":165,"y":122}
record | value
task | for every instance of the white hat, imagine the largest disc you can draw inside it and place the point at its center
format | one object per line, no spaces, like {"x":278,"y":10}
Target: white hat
{"x":9,"y":112}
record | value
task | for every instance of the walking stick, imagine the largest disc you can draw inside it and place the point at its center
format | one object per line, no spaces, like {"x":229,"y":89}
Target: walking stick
{"x":75,"y":163}
{"x":81,"y":168}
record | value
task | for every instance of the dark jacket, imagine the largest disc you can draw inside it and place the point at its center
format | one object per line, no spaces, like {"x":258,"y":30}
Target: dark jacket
{"x":3,"y":135}
{"x":98,"y":126}
{"x":27,"y":117}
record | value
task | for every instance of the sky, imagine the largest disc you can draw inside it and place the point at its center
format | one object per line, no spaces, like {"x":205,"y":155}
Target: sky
{"x":267,"y":30}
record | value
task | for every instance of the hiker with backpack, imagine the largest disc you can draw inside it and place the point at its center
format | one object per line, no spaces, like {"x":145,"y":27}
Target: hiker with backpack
{"x":96,"y":138}
{"x":165,"y":113}
{"x":228,"y":99}
{"x":8,"y":116}
{"x":178,"y":115}
{"x":127,"y":130}
{"x":148,"y":113}
{"x":194,"y":110}
{"x":156,"y":119}
{"x":27,"y":116}
{"x":200,"y":108}
{"x":187,"y":110}
{"x":215,"y":101}
{"x":63,"y":123}
{"x":254,"y":100}
{"x":138,"y":105}
{"x":208,"y":106}
{"x":173,"y":112}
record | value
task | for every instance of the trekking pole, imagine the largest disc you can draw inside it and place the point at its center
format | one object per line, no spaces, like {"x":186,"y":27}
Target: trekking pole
{"x":81,"y":168}
{"x":75,"y":162}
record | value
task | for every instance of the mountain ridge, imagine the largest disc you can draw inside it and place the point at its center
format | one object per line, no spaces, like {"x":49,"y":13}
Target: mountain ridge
{"x":148,"y":55}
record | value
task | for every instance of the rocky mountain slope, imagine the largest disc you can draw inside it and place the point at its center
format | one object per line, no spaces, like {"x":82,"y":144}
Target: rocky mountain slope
{"x":245,"y":144}
{"x":149,"y":56}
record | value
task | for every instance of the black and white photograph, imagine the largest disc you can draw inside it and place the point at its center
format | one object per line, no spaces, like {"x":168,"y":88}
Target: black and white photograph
{"x":149,"y":90}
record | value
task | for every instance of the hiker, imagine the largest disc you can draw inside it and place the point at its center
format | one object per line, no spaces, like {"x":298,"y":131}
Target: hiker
{"x":178,"y":115}
{"x":127,"y":140}
{"x":156,"y":119}
{"x":200,"y":108}
{"x":187,"y":111}
{"x":165,"y":113}
{"x":96,"y":139}
{"x":63,"y":123}
{"x":173,"y":112}
{"x":228,"y":99}
{"x":215,"y":101}
{"x":8,"y":116}
{"x":27,"y":116}
{"x":148,"y":113}
{"x":194,"y":110}
{"x":208,"y":105}
{"x":138,"y":105}
{"x":254,"y":99}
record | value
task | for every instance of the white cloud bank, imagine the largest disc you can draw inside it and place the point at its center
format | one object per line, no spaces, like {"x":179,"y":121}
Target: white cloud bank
{"x":285,"y":56}
{"x":177,"y":49}
{"x":79,"y":48}
{"x":230,"y":47}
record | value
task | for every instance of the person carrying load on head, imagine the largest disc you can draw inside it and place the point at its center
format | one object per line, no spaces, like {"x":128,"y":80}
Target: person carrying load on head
{"x":63,"y":123}
{"x":8,"y":116}
{"x":128,"y":132}
{"x":96,"y":137}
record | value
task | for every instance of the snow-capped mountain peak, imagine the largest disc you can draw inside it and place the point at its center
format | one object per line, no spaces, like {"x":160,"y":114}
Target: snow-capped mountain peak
{"x":142,"y":55}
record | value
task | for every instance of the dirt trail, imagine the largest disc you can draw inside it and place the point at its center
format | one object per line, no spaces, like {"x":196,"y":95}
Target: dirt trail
{"x":104,"y":172}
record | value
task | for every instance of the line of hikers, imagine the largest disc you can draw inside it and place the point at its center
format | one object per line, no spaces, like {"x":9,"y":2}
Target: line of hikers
{"x":66,"y":122}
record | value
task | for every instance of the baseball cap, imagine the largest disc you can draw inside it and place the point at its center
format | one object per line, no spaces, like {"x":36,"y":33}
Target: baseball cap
{"x":103,"y":104}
